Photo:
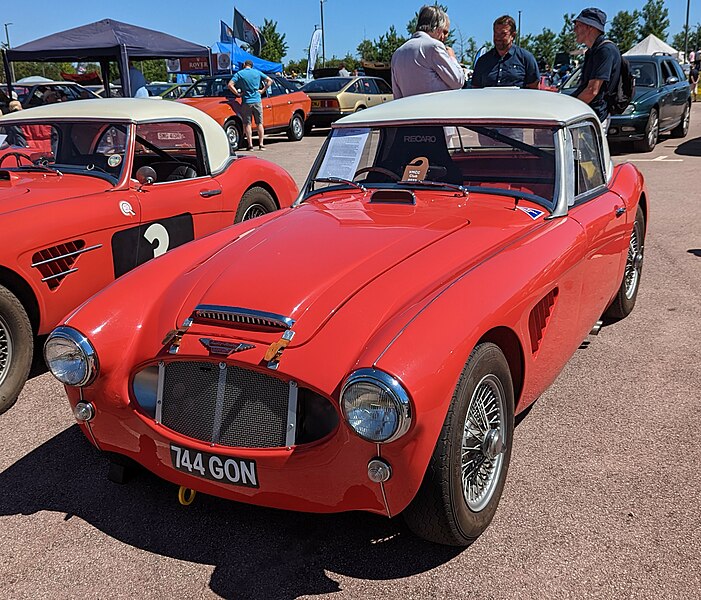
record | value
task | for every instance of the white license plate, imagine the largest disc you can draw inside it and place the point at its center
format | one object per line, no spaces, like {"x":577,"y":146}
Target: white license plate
{"x":225,"y":469}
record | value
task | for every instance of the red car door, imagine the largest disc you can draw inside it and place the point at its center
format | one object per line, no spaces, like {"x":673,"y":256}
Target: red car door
{"x":184,"y":202}
{"x":602,"y":215}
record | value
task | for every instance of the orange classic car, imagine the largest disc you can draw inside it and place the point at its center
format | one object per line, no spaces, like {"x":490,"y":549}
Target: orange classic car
{"x":451,"y":252}
{"x":285,"y":107}
{"x":91,"y":189}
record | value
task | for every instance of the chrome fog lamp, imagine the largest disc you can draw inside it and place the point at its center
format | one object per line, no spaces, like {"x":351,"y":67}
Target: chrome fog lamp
{"x":70,"y":357}
{"x":83,"y":411}
{"x":376,"y":405}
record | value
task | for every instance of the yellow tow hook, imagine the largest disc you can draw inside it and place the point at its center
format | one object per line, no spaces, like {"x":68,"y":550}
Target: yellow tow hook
{"x":186,"y":496}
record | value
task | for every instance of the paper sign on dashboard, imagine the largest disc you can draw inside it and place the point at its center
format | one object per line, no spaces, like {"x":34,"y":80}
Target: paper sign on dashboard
{"x":343,"y":153}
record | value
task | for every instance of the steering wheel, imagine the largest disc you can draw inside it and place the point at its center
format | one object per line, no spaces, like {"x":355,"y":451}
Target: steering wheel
{"x":17,"y":156}
{"x":391,"y":174}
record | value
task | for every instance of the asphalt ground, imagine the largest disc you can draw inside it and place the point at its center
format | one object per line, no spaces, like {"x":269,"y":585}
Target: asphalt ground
{"x":603,"y":497}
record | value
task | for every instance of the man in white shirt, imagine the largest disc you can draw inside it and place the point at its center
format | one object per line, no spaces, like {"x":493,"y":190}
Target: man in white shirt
{"x":424,"y":63}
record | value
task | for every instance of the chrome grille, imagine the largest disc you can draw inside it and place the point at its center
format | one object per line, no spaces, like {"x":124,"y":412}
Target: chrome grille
{"x":241,"y":316}
{"x":226,"y":404}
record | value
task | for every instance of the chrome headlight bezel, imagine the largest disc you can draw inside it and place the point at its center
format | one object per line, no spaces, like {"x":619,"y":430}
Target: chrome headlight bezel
{"x":390,"y":386}
{"x":83,"y":347}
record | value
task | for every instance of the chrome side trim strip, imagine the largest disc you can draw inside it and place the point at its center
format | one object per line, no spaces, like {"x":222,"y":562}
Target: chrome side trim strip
{"x":244,"y":316}
{"x":67,"y":255}
{"x":291,"y":416}
{"x":159,"y":393}
{"x":61,"y":274}
{"x":219,"y":406}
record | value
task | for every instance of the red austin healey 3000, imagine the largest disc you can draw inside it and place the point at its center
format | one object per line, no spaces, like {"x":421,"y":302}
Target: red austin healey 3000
{"x":451,"y":252}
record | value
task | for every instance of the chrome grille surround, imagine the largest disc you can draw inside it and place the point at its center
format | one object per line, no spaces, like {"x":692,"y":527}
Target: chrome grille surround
{"x":224,"y":404}
{"x":241,"y":316}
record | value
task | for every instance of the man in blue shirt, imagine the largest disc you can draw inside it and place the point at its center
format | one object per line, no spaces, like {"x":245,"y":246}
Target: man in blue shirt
{"x":506,"y":64}
{"x":248,"y":84}
{"x":602,"y":62}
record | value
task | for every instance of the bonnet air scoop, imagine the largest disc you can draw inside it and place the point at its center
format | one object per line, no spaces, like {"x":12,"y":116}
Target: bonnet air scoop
{"x":241,"y":317}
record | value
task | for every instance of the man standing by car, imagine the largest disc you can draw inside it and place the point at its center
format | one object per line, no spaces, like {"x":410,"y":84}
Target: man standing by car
{"x":506,"y":65}
{"x":602,"y":62}
{"x":251,"y":83}
{"x":423,"y":63}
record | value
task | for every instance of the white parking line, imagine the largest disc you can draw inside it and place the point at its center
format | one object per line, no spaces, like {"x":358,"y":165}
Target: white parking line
{"x":658,"y":159}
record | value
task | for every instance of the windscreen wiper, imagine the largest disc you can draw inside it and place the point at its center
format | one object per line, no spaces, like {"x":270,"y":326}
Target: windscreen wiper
{"x":355,"y":184}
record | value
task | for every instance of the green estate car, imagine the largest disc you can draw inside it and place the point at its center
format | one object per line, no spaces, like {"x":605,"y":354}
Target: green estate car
{"x":661,"y":102}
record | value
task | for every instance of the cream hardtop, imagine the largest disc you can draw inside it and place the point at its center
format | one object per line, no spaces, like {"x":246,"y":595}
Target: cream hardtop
{"x":133,"y":110}
{"x":489,"y":105}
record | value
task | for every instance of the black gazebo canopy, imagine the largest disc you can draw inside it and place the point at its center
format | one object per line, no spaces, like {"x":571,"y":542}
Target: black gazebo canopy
{"x":103,"y":41}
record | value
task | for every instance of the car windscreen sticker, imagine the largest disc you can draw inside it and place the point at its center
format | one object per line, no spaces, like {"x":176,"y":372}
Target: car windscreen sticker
{"x":533,"y":213}
{"x":136,"y":245}
{"x":343,"y":153}
{"x":114,"y":160}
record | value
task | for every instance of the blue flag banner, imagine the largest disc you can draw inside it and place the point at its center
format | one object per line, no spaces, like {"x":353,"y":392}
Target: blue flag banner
{"x":247,"y":32}
{"x":227,"y":35}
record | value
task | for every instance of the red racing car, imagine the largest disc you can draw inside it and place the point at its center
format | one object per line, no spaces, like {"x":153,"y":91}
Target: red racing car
{"x":369,"y":348}
{"x":91,"y":189}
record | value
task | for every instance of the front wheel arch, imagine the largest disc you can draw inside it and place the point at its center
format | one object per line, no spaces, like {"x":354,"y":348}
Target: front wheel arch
{"x":24,"y":293}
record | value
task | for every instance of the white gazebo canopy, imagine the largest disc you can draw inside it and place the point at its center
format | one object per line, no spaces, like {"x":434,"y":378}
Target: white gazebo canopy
{"x":653,"y":45}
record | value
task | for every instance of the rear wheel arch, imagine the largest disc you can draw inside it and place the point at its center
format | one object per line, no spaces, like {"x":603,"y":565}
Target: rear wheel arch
{"x":643,"y":206}
{"x":15,"y":284}
{"x":508,"y":342}
{"x":268,"y":188}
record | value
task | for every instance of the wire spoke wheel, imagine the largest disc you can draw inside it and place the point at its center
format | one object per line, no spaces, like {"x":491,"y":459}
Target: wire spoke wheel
{"x":632,"y":270}
{"x":253,"y":211}
{"x":483,"y":442}
{"x":5,"y":349}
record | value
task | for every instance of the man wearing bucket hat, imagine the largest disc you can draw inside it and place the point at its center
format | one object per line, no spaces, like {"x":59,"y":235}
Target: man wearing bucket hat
{"x":602,"y":62}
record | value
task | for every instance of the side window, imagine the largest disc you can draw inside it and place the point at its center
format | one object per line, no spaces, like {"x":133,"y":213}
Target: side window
{"x":369,"y":87}
{"x":588,"y":165}
{"x":354,"y":88}
{"x":174,"y":150}
{"x":666,"y":73}
{"x":276,"y":89}
{"x":383,"y":86}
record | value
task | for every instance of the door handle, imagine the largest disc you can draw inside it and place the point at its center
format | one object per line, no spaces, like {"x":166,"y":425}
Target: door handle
{"x":620,"y":210}
{"x":209,"y":193}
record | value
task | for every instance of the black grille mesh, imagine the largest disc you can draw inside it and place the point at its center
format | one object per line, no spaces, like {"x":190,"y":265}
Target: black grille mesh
{"x":254,"y":407}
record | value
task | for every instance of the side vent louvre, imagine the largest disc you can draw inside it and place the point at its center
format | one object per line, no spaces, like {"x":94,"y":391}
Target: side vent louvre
{"x":57,"y":262}
{"x":539,"y":317}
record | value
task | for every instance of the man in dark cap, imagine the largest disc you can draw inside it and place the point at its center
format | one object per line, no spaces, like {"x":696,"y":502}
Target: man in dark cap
{"x":602,"y":62}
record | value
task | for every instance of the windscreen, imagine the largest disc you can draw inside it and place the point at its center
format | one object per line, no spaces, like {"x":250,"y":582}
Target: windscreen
{"x":518,"y":159}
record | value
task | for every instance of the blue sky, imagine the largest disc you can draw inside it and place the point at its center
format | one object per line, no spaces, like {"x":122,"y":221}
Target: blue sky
{"x":346,"y":22}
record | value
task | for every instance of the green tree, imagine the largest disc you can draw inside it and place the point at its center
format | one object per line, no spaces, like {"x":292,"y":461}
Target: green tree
{"x":348,"y":60}
{"x":624,"y":29}
{"x":654,"y":20}
{"x":366,"y":50}
{"x":51,"y":70}
{"x":465,"y":48}
{"x":542,"y":45}
{"x":297,"y":66}
{"x":275,"y":47}
{"x":566,"y":41}
{"x":693,"y":40}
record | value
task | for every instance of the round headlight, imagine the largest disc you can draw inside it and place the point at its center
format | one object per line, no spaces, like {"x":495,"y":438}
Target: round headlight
{"x":70,"y":357}
{"x":375,"y":405}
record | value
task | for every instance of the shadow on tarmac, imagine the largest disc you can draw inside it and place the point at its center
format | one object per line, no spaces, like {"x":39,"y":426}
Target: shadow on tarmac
{"x":256,"y":552}
{"x":690,"y":148}
{"x":695,"y":252}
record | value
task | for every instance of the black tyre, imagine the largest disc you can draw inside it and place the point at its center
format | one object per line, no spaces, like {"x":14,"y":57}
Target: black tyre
{"x":254,"y":203}
{"x":16,"y":348}
{"x":295,"y":131}
{"x":234,"y":134}
{"x":465,"y":477}
{"x":652,"y":132}
{"x":681,"y":130}
{"x":624,"y":301}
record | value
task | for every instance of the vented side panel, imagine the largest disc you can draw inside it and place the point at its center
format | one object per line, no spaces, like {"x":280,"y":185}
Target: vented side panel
{"x":57,"y":268}
{"x":539,"y":317}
